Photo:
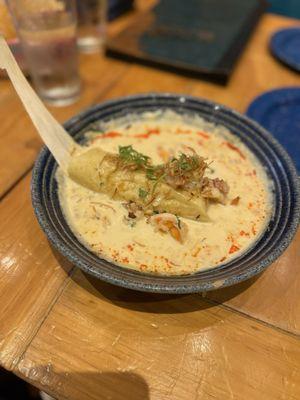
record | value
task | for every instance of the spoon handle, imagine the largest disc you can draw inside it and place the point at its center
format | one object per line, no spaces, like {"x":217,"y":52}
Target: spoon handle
{"x":52,"y":133}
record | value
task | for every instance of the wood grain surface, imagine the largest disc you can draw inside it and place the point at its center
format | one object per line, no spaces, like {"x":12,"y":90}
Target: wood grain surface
{"x":31,"y":274}
{"x":82,"y":339}
{"x":272,"y":297}
{"x":101,"y":342}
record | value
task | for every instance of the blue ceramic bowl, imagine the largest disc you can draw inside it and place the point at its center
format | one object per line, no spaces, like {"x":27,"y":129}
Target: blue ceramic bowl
{"x":267,"y":249}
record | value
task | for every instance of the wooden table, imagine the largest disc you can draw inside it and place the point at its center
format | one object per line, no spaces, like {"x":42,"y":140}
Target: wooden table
{"x":78,"y":338}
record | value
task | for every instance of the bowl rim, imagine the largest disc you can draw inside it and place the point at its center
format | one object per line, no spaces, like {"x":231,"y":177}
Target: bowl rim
{"x":171,"y":287}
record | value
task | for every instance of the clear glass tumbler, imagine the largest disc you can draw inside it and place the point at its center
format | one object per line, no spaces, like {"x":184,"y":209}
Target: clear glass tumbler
{"x":91,"y":24}
{"x":47,"y":29}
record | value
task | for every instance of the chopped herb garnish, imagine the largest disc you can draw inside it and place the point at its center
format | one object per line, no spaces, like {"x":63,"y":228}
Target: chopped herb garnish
{"x":143,"y":193}
{"x":135,"y":159}
{"x":150,"y":173}
{"x":156,"y":183}
{"x":131,"y":156}
{"x":184,"y":163}
{"x":185,"y":173}
{"x":177,"y":172}
{"x":154,"y":172}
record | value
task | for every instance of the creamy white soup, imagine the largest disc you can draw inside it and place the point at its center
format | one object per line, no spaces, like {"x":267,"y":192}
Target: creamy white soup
{"x":108,"y":227}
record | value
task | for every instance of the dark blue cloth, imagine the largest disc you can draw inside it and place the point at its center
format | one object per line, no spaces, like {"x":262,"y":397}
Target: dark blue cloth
{"x":279,"y":112}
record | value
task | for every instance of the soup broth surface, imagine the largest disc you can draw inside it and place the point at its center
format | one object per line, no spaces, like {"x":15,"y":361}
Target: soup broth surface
{"x":98,"y":221}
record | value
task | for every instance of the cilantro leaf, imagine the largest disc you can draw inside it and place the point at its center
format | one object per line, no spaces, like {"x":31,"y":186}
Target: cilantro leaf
{"x":143,"y":193}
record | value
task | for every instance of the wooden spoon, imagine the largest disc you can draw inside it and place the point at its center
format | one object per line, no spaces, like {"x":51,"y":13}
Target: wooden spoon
{"x":56,"y":138}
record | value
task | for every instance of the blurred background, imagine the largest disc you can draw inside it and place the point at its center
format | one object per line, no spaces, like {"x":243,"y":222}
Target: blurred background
{"x":196,"y":36}
{"x":290,"y":8}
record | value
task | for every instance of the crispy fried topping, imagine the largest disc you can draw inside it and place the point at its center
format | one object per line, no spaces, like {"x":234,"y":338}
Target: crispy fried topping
{"x":185,"y":172}
{"x":215,"y":189}
{"x":235,"y":201}
{"x":135,"y":211}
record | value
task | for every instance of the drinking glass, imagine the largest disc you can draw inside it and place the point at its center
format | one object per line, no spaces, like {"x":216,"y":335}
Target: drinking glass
{"x":47,"y":30}
{"x":91,"y":24}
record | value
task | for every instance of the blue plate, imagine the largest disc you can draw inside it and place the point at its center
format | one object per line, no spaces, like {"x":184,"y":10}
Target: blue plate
{"x":270,"y":245}
{"x":279,"y":112}
{"x":285,"y":45}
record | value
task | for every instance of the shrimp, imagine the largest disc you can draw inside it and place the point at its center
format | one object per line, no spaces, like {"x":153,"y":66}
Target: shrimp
{"x":171,"y":224}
